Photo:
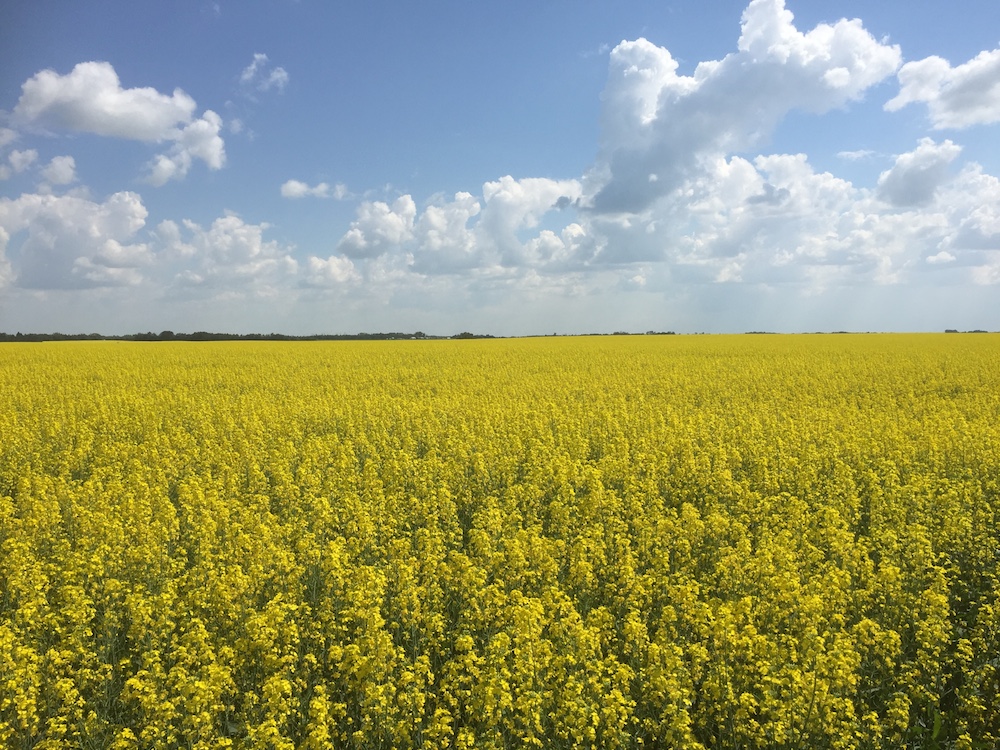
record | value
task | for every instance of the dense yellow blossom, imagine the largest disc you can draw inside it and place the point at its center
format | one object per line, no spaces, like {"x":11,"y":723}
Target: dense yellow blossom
{"x":614,"y":542}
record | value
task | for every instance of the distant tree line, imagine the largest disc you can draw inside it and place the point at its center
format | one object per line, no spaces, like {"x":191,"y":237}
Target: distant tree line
{"x":363,"y":336}
{"x":207,"y":336}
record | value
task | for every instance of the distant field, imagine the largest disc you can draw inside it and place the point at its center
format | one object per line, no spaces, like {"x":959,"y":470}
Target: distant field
{"x":646,"y":541}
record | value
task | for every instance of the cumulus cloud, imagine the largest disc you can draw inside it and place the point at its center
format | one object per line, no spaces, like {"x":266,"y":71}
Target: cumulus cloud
{"x":728,"y":215}
{"x":444,"y":240}
{"x":567,"y":249}
{"x":917,"y":174}
{"x":513,"y":205}
{"x":778,"y":223}
{"x":230,"y":254}
{"x":91,"y":99}
{"x":379,"y":228}
{"x":50,"y":242}
{"x":955,"y":97}
{"x":198,"y":140}
{"x":333,"y":271}
{"x":671,"y":191}
{"x":17,"y":162}
{"x":170,"y":237}
{"x":261,"y":76}
{"x":974,"y":201}
{"x":60,"y":171}
{"x":456,"y":235}
{"x":298,"y":189}
{"x":659,"y":123}
{"x":70,"y":242}
{"x":21,"y":160}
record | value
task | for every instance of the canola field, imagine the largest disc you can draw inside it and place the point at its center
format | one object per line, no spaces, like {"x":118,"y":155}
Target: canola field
{"x":608,"y":542}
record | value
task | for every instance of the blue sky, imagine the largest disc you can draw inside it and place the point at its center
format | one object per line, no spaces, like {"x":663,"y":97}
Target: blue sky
{"x":516,"y":168}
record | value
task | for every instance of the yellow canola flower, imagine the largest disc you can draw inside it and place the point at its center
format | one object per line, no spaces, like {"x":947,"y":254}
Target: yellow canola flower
{"x":598,"y":542}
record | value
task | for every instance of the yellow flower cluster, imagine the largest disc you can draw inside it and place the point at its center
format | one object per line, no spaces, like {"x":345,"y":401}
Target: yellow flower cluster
{"x":609,"y":542}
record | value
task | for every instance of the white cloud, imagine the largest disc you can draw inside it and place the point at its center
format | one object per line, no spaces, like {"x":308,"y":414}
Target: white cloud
{"x":774,"y":213}
{"x":956,"y":97}
{"x":335,"y":270}
{"x":229,"y":255}
{"x":771,"y":221}
{"x":444,"y":240}
{"x":675,"y":126}
{"x":72,"y":242}
{"x":7,"y":137}
{"x":6,"y":272}
{"x":298,"y":189}
{"x":917,"y":174}
{"x":379,"y":228}
{"x":198,"y":140}
{"x":942,"y":257}
{"x":67,"y":242}
{"x":60,"y":171}
{"x":441,"y":240}
{"x":859,"y":155}
{"x":21,"y":160}
{"x":98,"y":274}
{"x":169,"y":237}
{"x":777,"y":223}
{"x":559,"y":251}
{"x":91,"y":99}
{"x":259,"y":75}
{"x":513,"y":205}
{"x":973,"y":199}
{"x":666,"y":192}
